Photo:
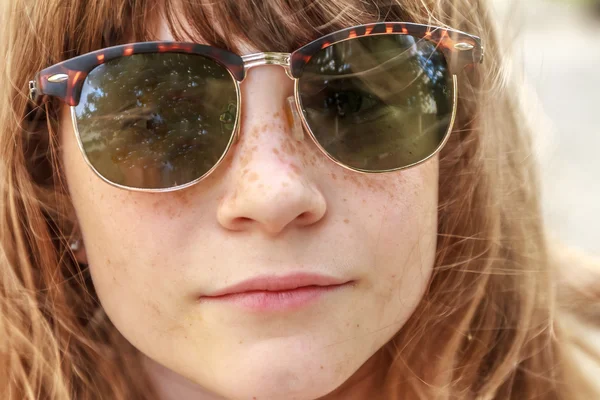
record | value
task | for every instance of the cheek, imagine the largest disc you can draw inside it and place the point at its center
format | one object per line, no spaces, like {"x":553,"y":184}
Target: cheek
{"x":395,"y":210}
{"x":119,"y":231}
{"x":398,"y":216}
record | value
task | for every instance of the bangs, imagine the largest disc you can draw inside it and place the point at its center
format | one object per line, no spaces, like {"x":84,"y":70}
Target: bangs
{"x":275,"y":25}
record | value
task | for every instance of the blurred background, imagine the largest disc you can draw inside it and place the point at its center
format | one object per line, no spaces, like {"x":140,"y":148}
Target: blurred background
{"x":555,"y":45}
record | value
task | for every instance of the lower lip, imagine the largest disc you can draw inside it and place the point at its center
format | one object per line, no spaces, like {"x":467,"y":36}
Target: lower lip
{"x":263,"y":301}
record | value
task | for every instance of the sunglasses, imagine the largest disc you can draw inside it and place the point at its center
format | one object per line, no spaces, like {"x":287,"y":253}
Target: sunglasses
{"x":161,"y":116}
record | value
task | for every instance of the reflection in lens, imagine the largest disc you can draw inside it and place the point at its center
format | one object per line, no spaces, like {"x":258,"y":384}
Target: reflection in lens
{"x":156,"y":121}
{"x":378,"y":102}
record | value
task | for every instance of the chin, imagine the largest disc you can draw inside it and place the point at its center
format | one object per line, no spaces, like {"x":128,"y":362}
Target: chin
{"x":289,"y":382}
{"x":281,"y":377}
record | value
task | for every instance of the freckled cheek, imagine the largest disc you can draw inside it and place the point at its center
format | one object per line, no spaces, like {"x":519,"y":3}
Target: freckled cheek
{"x":401,"y":224}
{"x":411,"y":191}
{"x":415,"y":188}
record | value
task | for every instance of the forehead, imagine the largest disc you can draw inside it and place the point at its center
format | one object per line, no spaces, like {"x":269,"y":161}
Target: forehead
{"x":164,"y":33}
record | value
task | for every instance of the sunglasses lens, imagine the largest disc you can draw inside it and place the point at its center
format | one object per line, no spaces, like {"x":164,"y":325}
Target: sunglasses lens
{"x":378,"y":103}
{"x":156,"y":121}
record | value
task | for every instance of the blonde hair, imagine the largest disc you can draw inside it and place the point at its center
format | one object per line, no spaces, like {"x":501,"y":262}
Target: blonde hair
{"x":488,"y":327}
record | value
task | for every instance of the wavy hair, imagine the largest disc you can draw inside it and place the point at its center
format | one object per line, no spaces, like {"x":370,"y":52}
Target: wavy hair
{"x":497,"y":320}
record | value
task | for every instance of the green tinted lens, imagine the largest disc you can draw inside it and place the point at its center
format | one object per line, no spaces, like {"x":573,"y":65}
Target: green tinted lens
{"x":155,"y":121}
{"x":380,"y":102}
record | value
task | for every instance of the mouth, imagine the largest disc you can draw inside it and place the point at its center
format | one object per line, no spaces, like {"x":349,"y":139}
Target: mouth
{"x":276,"y":293}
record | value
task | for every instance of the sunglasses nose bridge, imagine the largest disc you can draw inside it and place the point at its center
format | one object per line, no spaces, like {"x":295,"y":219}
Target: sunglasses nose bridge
{"x":269,"y":58}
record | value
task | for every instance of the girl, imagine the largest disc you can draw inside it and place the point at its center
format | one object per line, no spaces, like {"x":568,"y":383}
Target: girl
{"x":272,"y":200}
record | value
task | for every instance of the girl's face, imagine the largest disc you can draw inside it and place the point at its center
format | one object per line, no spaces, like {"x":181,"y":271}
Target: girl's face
{"x":275,"y":207}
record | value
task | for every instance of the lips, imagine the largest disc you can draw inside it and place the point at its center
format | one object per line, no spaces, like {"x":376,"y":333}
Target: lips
{"x":271,"y":283}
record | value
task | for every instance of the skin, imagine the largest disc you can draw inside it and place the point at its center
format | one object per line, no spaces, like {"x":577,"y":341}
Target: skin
{"x":275,"y":205}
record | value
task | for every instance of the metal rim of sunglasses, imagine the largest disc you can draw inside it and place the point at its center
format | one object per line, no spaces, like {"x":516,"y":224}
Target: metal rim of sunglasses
{"x":65,"y":79}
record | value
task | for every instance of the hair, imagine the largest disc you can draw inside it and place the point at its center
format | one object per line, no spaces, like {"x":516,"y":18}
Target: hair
{"x":497,"y":320}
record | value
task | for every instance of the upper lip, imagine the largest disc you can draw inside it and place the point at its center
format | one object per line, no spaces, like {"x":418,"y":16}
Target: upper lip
{"x":278,"y":283}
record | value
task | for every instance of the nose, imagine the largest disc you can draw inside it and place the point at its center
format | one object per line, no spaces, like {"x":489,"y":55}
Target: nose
{"x":272,"y":185}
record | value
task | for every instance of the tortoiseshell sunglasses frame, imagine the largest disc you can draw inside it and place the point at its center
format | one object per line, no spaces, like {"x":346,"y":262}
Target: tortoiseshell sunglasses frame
{"x":65,"y":79}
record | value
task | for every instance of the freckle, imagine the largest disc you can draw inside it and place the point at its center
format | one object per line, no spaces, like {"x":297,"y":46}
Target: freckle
{"x":275,"y":151}
{"x":276,"y":114}
{"x":108,"y":261}
{"x":358,"y":325}
{"x":253,"y":177}
{"x":265,"y":127}
{"x":333,"y":176}
{"x":321,"y":367}
{"x":254,"y":148}
{"x":246,"y":158}
{"x":286,"y":148}
{"x":345,"y":199}
{"x":364,"y":201}
{"x":346,"y":220}
{"x":393,"y":276}
{"x":182,"y":196}
{"x":356,"y":181}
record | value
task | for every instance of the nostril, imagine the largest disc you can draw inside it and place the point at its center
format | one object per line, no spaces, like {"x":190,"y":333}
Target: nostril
{"x":307,"y":218}
{"x":240,"y":222}
{"x":304,"y":215}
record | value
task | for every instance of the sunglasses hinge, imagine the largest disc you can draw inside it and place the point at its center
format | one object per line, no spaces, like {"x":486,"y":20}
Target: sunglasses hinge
{"x":32,"y":91}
